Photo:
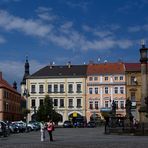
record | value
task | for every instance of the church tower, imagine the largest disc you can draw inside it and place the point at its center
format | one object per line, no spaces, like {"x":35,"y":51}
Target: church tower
{"x":26,"y":74}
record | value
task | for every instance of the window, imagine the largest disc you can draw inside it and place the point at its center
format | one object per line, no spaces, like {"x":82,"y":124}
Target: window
{"x":55,"y":102}
{"x":49,"y":88}
{"x":70,"y":88}
{"x":95,"y":78}
{"x":133,"y":80}
{"x":55,"y":88}
{"x":41,"y":89}
{"x":116,"y":102}
{"x":79,"y":103}
{"x":33,"y":89}
{"x":96,"y":105}
{"x":116,"y":90}
{"x":106,"y":90}
{"x":106,"y":104}
{"x":78,"y":88}
{"x":116,"y":78}
{"x":133,"y":97}
{"x":96,"y":90}
{"x":61,"y":88}
{"x":122,"y":104}
{"x":121,"y":77}
{"x":70,"y":103}
{"x":61,"y":102}
{"x":33,"y":103}
{"x":41,"y":102}
{"x":90,"y":90}
{"x":121,"y":90}
{"x":90,"y":78}
{"x":90,"y":105}
{"x":106,"y":78}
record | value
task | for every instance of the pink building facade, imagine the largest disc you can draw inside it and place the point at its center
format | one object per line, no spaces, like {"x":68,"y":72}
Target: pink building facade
{"x":105,"y":83}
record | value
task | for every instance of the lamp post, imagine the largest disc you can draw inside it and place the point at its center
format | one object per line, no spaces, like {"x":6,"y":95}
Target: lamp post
{"x":26,"y":94}
{"x":34,"y":110}
{"x":144,"y":90}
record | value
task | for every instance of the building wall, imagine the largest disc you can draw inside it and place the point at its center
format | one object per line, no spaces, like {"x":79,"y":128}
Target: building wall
{"x":134,"y":87}
{"x":9,"y":105}
{"x":106,"y":93}
{"x":66,"y":110}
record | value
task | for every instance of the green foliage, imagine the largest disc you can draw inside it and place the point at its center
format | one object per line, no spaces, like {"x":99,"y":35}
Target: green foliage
{"x":25,"y":112}
{"x":47,"y":112}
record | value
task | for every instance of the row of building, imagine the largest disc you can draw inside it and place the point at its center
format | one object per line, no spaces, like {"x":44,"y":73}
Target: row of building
{"x":84,"y":90}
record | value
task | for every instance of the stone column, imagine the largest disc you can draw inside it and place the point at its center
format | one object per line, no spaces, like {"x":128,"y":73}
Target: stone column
{"x":144,"y":88}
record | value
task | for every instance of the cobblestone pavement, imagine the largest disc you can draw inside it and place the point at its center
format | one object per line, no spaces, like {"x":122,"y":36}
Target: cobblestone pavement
{"x":74,"y":138}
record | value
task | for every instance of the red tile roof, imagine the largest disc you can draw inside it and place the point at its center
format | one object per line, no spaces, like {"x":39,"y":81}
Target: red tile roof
{"x":132,"y":66}
{"x":5,"y":84}
{"x":105,"y":68}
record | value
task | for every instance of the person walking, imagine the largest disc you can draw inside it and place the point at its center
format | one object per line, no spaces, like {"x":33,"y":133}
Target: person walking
{"x":42,"y":130}
{"x":50,"y":128}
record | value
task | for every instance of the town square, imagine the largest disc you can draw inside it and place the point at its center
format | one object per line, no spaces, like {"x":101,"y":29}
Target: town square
{"x":73,"y":73}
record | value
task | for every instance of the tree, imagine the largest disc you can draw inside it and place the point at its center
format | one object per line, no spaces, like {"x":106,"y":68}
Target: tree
{"x":25,"y":112}
{"x":47,"y":112}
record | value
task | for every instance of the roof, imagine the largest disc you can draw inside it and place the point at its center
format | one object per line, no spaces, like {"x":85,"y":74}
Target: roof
{"x":105,"y":68}
{"x":61,"y":71}
{"x":132,"y":67}
{"x":6,"y":85}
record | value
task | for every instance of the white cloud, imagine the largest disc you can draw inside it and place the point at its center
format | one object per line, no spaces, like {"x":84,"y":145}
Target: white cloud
{"x":78,"y":4}
{"x":2,"y":40}
{"x":138,"y":28}
{"x":63,"y":35}
{"x":46,"y":14}
{"x":134,"y":29}
{"x":29,"y":27}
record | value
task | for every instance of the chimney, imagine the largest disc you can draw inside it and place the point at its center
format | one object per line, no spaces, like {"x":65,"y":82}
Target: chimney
{"x":50,"y":65}
{"x":69,"y":64}
{"x":15,"y":85}
{"x":0,"y":75}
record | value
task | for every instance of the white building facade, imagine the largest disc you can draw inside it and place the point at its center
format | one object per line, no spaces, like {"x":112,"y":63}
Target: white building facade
{"x":64,"y":84}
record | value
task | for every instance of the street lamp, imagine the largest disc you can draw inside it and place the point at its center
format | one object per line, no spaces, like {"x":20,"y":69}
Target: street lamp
{"x":144,"y":90}
{"x":34,"y":110}
{"x":26,"y":94}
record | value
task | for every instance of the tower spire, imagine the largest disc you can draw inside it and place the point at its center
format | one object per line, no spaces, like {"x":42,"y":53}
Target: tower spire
{"x":26,"y":73}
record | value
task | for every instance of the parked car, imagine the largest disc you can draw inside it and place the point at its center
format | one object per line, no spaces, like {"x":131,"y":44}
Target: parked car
{"x":80,"y":124}
{"x":36,"y":125}
{"x":67,"y":123}
{"x":14,"y":128}
{"x":21,"y":125}
{"x":4,"y":130}
{"x":91,"y":124}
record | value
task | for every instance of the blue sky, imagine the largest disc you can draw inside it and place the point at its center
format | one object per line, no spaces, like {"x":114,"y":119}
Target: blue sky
{"x":69,"y":30}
